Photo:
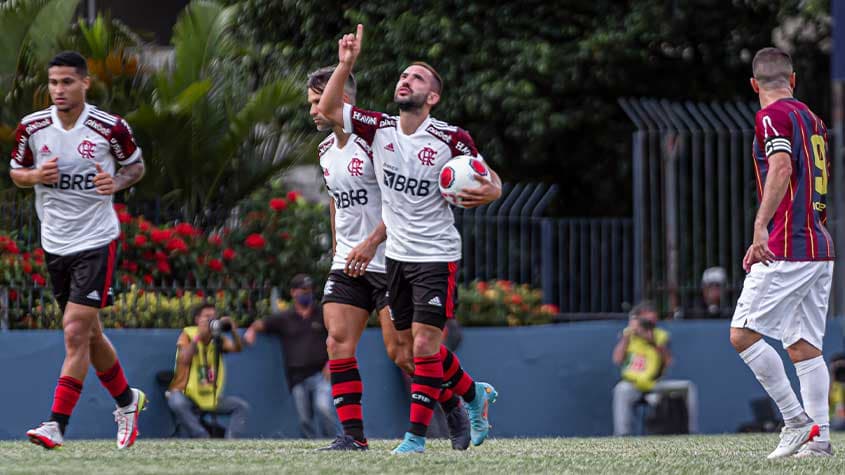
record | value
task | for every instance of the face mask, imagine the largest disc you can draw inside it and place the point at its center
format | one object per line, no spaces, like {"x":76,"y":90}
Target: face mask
{"x":305,"y":300}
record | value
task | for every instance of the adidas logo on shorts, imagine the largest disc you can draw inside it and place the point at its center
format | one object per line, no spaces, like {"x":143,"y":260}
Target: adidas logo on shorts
{"x":329,"y":287}
{"x":435,"y":301}
{"x":94,"y":295}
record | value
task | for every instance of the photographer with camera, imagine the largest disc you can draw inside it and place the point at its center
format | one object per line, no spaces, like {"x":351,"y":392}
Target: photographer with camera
{"x":303,"y":335}
{"x":197,"y":384}
{"x":643,"y":355}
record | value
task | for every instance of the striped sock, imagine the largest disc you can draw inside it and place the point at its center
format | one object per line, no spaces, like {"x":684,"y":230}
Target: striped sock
{"x":65,"y":398}
{"x":454,"y":376}
{"x":346,"y":391}
{"x":425,"y":390}
{"x":114,"y":381}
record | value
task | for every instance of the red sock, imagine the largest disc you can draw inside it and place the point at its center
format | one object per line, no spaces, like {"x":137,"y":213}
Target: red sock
{"x":65,"y":398}
{"x":425,"y":390}
{"x":114,"y":381}
{"x":454,"y":376}
{"x":346,"y":391}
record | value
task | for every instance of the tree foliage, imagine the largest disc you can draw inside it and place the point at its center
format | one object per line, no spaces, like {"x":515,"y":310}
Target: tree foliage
{"x":536,"y":82}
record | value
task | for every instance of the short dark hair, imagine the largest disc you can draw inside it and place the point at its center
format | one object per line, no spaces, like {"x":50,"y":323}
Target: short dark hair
{"x":318,"y":79}
{"x":302,"y":281}
{"x":772,"y":68}
{"x":71,"y":59}
{"x":199,"y":308}
{"x":646,"y":306}
{"x":438,"y":81}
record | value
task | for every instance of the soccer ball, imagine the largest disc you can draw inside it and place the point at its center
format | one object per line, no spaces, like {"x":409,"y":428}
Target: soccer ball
{"x":458,"y":174}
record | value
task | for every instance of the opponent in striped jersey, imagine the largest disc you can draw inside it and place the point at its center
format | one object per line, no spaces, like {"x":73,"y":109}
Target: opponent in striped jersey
{"x":789,"y":264}
{"x":423,"y":246}
{"x":70,"y":153}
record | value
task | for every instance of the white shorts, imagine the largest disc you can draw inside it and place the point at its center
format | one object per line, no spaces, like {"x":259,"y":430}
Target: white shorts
{"x":786,"y":300}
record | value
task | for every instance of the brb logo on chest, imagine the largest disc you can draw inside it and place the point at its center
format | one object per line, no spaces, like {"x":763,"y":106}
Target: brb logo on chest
{"x":86,"y":149}
{"x":355,"y":167}
{"x":427,"y":156}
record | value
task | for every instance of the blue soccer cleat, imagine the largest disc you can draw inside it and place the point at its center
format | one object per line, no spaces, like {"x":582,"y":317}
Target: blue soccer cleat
{"x":485,"y":395}
{"x":412,"y":444}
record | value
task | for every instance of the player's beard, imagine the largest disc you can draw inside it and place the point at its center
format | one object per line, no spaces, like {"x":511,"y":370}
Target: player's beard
{"x":410,"y":102}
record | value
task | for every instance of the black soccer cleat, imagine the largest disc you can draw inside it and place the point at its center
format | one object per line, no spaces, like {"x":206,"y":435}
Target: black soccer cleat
{"x":346,"y":442}
{"x":458,"y":422}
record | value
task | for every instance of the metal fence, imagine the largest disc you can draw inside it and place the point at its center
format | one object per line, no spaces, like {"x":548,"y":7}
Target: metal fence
{"x":694,"y":195}
{"x":582,"y":265}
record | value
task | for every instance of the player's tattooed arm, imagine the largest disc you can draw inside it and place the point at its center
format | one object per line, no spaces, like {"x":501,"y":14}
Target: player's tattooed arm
{"x":124,"y":178}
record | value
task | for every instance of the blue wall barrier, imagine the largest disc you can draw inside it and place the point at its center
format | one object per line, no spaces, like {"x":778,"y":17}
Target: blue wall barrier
{"x":553,"y":380}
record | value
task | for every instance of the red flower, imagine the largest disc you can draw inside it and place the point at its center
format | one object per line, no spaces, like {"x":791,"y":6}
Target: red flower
{"x":160,"y":256}
{"x":177,"y":245}
{"x":39,"y":280}
{"x":516,"y":299}
{"x":140,"y":240}
{"x":481,"y":286}
{"x":122,"y":236}
{"x":278,"y":204}
{"x":163,"y":267}
{"x":185,"y":229}
{"x":292,"y":196}
{"x":124,"y":264}
{"x":133,"y":267}
{"x":255,"y":241}
{"x":215,"y":265}
{"x":124,"y":246}
{"x":3,"y":240}
{"x":143,"y":225}
{"x":228,"y":254}
{"x":27,"y":268}
{"x":200,"y":293}
{"x":25,"y":256}
{"x":148,"y":279}
{"x":550,"y":308}
{"x":180,"y":293}
{"x":126,"y":279}
{"x":13,"y":295}
{"x":120,"y":208}
{"x":12,"y":248}
{"x":215,"y":240}
{"x":38,"y":252}
{"x":161,"y":235}
{"x":124,"y":218}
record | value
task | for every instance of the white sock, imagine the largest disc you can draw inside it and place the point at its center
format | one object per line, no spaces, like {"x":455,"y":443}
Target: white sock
{"x":767,"y":366}
{"x":815,"y":385}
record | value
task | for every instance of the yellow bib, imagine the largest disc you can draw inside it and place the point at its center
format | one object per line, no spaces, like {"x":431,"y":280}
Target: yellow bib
{"x":643,"y":363}
{"x":200,"y":388}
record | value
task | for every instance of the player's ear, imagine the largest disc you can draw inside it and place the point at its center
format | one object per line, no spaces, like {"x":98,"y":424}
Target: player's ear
{"x":86,"y":82}
{"x":792,"y":80}
{"x":433,"y":98}
{"x":755,"y":86}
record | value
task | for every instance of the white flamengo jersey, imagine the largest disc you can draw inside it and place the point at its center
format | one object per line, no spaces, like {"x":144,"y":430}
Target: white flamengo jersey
{"x":74,"y":217}
{"x":420,"y":223}
{"x":352,"y":184}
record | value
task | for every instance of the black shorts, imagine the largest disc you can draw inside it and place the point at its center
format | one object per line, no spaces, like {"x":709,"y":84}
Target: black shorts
{"x":84,"y":278}
{"x":422,"y":292}
{"x":367,"y":292}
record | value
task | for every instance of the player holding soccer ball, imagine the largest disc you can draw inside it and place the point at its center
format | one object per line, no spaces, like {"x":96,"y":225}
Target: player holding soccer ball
{"x":423,"y":247}
{"x":790,"y":262}
{"x":69,"y":153}
{"x":357,"y":283}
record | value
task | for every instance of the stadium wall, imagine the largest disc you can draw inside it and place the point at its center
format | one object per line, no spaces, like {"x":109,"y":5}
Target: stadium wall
{"x":553,"y":380}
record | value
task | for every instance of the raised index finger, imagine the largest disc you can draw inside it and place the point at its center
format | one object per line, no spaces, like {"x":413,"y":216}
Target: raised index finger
{"x":359,"y":34}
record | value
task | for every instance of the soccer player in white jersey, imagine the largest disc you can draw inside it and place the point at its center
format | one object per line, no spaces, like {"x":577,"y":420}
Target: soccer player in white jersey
{"x":357,"y":282}
{"x":69,"y":154}
{"x":423,"y":246}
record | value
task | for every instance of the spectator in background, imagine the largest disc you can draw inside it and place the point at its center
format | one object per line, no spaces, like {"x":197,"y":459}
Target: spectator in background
{"x":303,"y":336}
{"x":197,"y":384}
{"x":643,"y":355}
{"x":713,"y":301}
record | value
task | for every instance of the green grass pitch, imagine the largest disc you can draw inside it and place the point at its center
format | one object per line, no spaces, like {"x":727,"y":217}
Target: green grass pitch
{"x":647,"y":455}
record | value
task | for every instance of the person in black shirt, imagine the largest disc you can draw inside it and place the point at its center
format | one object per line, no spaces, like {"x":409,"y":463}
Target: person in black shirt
{"x":303,"y":337}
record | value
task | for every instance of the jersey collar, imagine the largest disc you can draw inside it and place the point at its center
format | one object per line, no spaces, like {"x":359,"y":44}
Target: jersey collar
{"x":80,"y":122}
{"x":421,"y":128}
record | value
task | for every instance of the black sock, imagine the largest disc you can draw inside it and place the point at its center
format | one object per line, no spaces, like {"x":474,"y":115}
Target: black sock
{"x":62,"y":419}
{"x":125,"y":398}
{"x":451,"y":404}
